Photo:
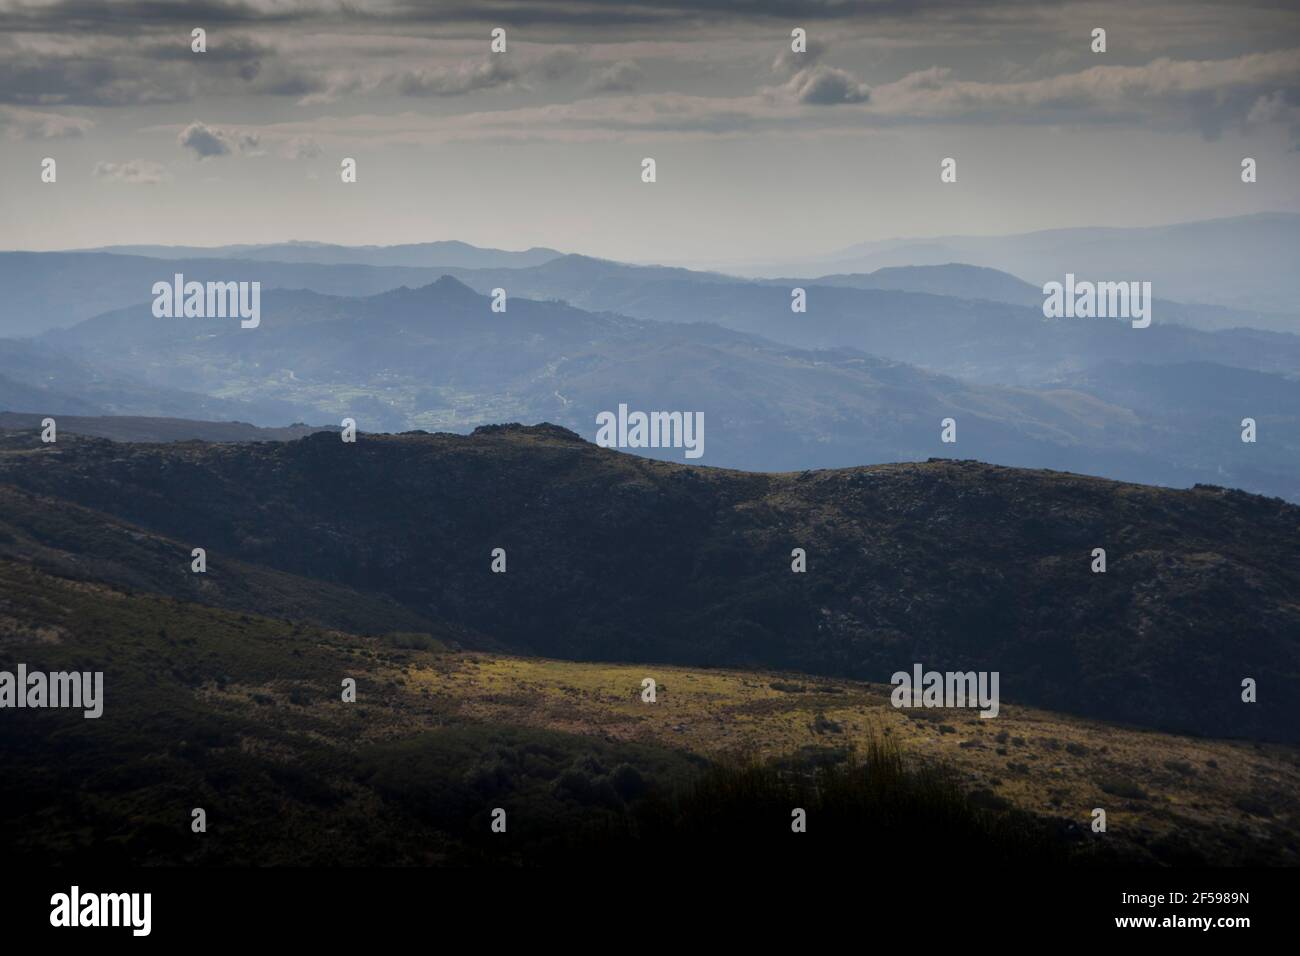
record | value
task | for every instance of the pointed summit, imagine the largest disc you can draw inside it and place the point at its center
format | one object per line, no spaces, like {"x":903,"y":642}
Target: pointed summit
{"x":450,"y":288}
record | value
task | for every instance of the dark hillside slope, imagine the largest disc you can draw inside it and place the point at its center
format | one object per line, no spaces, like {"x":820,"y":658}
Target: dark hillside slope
{"x":952,"y":564}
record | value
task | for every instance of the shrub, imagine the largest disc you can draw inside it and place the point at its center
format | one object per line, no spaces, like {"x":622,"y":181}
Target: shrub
{"x":1123,"y":788}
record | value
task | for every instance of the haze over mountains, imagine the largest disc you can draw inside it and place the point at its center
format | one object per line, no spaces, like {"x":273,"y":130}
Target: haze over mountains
{"x":403,"y":337}
{"x":413,"y":255}
{"x":438,"y":358}
{"x":1244,"y":262}
{"x":1215,"y":274}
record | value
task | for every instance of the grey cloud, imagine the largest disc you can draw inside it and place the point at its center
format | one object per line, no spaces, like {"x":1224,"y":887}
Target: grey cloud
{"x":248,"y":143}
{"x":459,"y":80}
{"x":210,"y":141}
{"x":302,"y":147}
{"x":556,"y":65}
{"x":1213,"y":113}
{"x":288,"y":84}
{"x":815,"y":83}
{"x":125,"y":15}
{"x":136,"y":52}
{"x":139,"y":172}
{"x":113,"y":72}
{"x":788,"y":63}
{"x":497,"y":71}
{"x":237,"y":64}
{"x":570,"y":20}
{"x":1206,"y":95}
{"x":129,"y":16}
{"x":237,"y":48}
{"x":621,"y":77}
{"x":33,"y":79}
{"x":32,"y":124}
{"x":204,"y":141}
{"x":1163,"y":94}
{"x":827,"y":86}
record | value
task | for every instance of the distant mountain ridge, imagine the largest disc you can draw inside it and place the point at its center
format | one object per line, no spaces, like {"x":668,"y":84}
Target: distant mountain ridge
{"x":954,"y":279}
{"x":1245,"y":262}
{"x":52,"y":290}
{"x":47,"y":291}
{"x":1228,"y":273}
{"x":419,"y":255}
{"x":438,"y":358}
{"x":134,"y":428}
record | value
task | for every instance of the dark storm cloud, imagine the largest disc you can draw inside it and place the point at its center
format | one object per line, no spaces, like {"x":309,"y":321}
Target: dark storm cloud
{"x":108,"y":17}
{"x":128,"y":16}
{"x":235,"y":48}
{"x":560,"y":20}
{"x":33,"y":79}
{"x":108,"y":72}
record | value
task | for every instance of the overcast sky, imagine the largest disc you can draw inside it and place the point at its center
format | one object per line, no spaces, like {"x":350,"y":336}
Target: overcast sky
{"x":761,"y":153}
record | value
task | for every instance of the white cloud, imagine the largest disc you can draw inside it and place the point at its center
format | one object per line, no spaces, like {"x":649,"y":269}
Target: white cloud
{"x":822,"y":85}
{"x":933,"y":94}
{"x":474,"y":75}
{"x":19,"y":123}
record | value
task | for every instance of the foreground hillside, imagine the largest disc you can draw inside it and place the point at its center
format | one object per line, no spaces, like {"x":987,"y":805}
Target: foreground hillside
{"x":954,"y":565}
{"x":240,"y":715}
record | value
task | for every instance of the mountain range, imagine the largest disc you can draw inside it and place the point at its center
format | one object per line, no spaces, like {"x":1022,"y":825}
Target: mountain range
{"x":866,"y":374}
{"x":500,"y":591}
{"x":422,"y":255}
{"x":439,"y":358}
{"x":1212,"y":274}
{"x":1243,"y":262}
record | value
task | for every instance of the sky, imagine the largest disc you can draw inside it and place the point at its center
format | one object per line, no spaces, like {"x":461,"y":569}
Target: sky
{"x":761,"y":153}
